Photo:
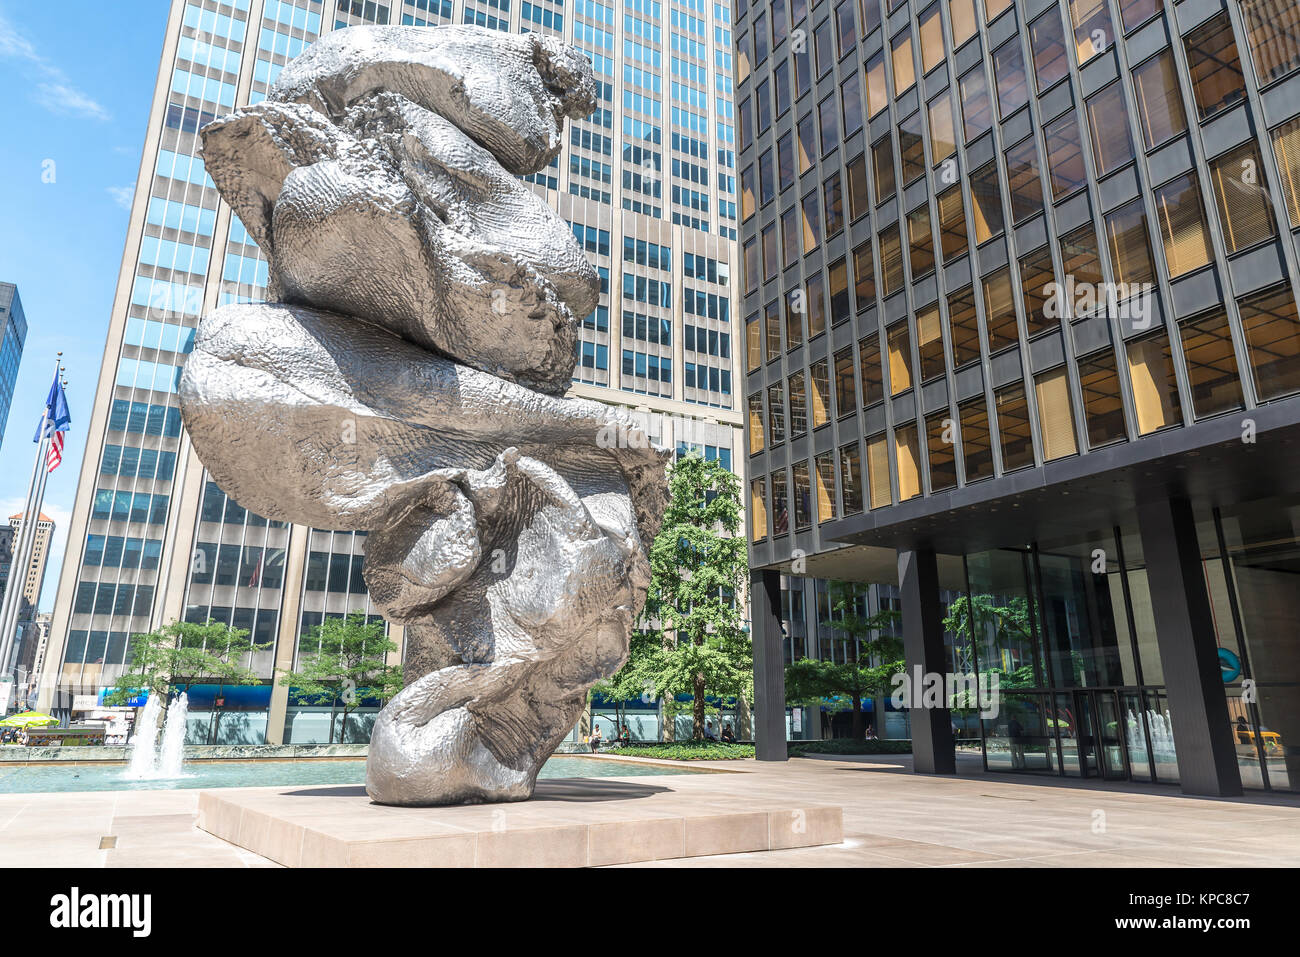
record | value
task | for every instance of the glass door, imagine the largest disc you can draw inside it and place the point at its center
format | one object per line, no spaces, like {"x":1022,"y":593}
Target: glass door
{"x":1110,"y":736}
{"x":1085,"y":733}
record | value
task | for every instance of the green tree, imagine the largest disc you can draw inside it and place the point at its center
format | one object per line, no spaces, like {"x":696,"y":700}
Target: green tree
{"x":175,"y":657}
{"x":1005,"y":627}
{"x":699,"y":645}
{"x":349,"y":664}
{"x":871,"y":656}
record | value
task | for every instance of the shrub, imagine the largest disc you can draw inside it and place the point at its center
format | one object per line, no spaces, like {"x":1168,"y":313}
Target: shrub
{"x":688,"y":751}
{"x":849,"y":746}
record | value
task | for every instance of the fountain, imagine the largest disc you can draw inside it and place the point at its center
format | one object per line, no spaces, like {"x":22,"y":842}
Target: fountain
{"x":146,"y":733}
{"x":146,"y":761}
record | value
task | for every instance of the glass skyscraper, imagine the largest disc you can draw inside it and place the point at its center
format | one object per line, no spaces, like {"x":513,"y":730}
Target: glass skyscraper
{"x":1019,"y":289}
{"x":648,"y":183}
{"x":13,"y":333}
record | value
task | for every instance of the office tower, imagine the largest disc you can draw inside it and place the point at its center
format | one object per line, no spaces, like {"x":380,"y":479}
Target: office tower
{"x":647,"y":183}
{"x":1019,"y":289}
{"x":34,"y":577}
{"x":13,"y":333}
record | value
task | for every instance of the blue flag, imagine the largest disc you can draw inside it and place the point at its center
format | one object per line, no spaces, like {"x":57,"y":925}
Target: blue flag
{"x":57,"y":417}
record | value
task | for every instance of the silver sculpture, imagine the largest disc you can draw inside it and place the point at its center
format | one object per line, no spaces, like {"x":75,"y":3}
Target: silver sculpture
{"x":405,"y":379}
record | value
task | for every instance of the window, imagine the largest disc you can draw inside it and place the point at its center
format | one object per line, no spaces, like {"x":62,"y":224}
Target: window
{"x":1112,"y":146}
{"x":747,"y":204}
{"x":976,"y":442}
{"x":833,"y":195}
{"x":1093,"y":32}
{"x":900,"y":358}
{"x":920,"y":241}
{"x":878,"y":471}
{"x":1055,"y":416}
{"x":824,"y":44}
{"x":870,"y":10}
{"x":976,"y":110}
{"x":824,"y":476}
{"x":1024,"y":181}
{"x":766,"y":178}
{"x":1214,"y":66}
{"x":819,"y":393}
{"x":795,"y":306}
{"x":1245,"y":213}
{"x":1015,"y":439}
{"x":859,"y":201}
{"x":864,"y":276}
{"x":1103,"y":407}
{"x":1000,"y":310}
{"x":873,"y":383}
{"x":780,"y":503}
{"x":1080,"y":259}
{"x":931,"y":38}
{"x":877,"y":91}
{"x":802,"y":74}
{"x":772,"y":322}
{"x":1012,"y":79}
{"x":882,"y":168}
{"x":763,"y":105}
{"x":755,"y":424}
{"x":798,"y":404}
{"x":753,"y":343}
{"x":791,"y":236}
{"x":907,"y":457}
{"x":911,"y":148}
{"x":758,"y":508}
{"x":943,"y":138}
{"x":1160,"y":103}
{"x":891,"y":260}
{"x":776,"y":413}
{"x":751,"y":265}
{"x":1155,"y":389}
{"x":1286,"y":147}
{"x":846,"y":390}
{"x":828,"y":114}
{"x":963,"y":326}
{"x":1036,"y":280}
{"x":941,"y":444}
{"x":812,"y":222}
{"x":851,"y":104}
{"x":1130,"y":247}
{"x":962,"y":15}
{"x":1134,"y":13}
{"x":929,"y":342}
{"x":986,"y":199}
{"x":994,"y":7}
{"x":1047,"y":41}
{"x":802,"y":497}
{"x":1212,"y":375}
{"x":807,"y":143}
{"x":845,"y":27}
{"x":1064,"y":156}
{"x":815,"y":301}
{"x":851,"y":479}
{"x":952,"y":223}
{"x":1182,"y":225}
{"x":1271,"y":30}
{"x":904,"y":65}
{"x":1272,"y":331}
{"x":837,"y":274}
{"x":785,"y":161}
{"x":771,"y":252}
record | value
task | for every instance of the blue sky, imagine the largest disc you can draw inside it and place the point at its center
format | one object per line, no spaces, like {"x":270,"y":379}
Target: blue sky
{"x":77,"y":79}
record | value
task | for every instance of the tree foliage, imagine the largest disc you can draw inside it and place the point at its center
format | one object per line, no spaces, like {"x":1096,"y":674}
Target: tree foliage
{"x":346,"y":666}
{"x":696,"y":642}
{"x":177,"y":656}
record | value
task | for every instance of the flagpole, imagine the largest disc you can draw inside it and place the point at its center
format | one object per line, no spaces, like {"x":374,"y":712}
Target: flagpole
{"x":31,"y":526}
{"x":22,"y":554}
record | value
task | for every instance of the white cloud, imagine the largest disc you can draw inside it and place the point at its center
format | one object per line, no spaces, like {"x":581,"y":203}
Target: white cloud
{"x":122,"y":195}
{"x":51,"y":86}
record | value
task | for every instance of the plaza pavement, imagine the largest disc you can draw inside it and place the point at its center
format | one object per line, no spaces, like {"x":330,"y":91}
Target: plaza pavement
{"x":892,"y":818}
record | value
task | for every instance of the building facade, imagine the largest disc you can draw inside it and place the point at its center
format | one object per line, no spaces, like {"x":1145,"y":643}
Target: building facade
{"x":13,"y":334}
{"x":33,"y":579}
{"x":1019,"y":289}
{"x":647,"y":183}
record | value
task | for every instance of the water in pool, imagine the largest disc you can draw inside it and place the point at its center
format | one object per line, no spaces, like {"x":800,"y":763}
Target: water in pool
{"x":241,"y":774}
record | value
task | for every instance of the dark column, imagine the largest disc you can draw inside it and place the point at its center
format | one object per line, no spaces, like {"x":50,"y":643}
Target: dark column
{"x":769,"y":665}
{"x":918,"y":586}
{"x":1189,"y":653}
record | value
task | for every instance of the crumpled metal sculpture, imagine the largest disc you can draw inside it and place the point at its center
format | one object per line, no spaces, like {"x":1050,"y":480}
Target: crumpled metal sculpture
{"x":405,"y":379}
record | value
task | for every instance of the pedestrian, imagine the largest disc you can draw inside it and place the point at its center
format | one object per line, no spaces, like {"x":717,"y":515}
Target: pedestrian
{"x":595,"y":739}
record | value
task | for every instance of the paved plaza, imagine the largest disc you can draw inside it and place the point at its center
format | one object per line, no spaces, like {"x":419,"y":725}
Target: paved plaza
{"x":892,"y":818}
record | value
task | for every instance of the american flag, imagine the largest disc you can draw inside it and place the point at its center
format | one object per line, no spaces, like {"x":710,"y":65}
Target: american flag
{"x":55,"y":455}
{"x":56,"y":421}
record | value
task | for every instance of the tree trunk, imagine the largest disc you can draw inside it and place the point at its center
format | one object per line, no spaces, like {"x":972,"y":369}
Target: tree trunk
{"x":697,"y":707}
{"x":333,"y":714}
{"x":859,"y":730}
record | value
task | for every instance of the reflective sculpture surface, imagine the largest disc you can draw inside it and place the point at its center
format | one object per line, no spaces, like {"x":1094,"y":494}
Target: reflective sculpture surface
{"x":405,"y":378}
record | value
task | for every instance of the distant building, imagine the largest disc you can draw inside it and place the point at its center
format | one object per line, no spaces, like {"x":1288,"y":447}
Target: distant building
{"x":35,"y":576}
{"x":13,"y":333}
